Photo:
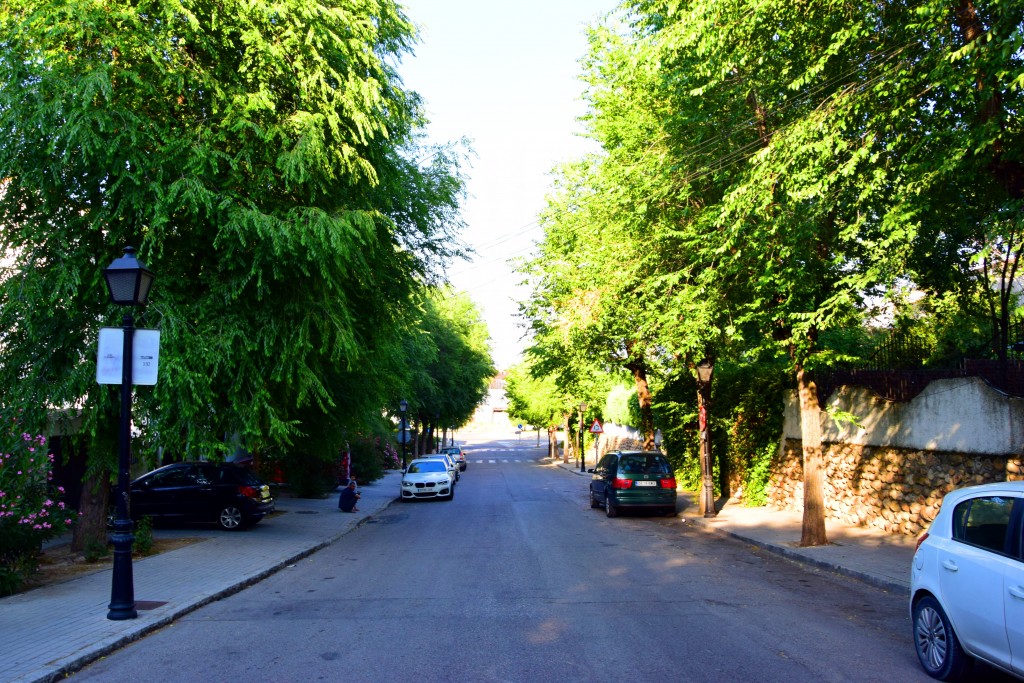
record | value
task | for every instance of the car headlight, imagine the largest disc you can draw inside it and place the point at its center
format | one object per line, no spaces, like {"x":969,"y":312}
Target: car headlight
{"x":406,"y":483}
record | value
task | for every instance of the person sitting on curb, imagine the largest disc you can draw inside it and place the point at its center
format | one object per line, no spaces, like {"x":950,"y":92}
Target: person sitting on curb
{"x":348,"y":498}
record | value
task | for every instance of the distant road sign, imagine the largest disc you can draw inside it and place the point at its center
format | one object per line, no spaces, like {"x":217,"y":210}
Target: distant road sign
{"x":596,"y":428}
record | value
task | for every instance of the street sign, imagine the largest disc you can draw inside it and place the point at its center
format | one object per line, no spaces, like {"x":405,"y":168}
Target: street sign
{"x":145,"y":356}
{"x":596,"y":428}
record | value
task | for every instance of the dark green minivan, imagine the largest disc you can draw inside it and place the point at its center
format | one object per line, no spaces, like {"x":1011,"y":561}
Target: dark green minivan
{"x":633,"y":479}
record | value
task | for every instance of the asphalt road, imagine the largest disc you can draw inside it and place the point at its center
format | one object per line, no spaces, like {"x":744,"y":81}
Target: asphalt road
{"x":517,"y":579}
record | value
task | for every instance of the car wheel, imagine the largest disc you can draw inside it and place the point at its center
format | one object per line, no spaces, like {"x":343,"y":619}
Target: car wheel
{"x":609,"y":507}
{"x":230,"y":518}
{"x":451,"y":493}
{"x":594,"y":502}
{"x":937,"y":646}
{"x":669,"y":512}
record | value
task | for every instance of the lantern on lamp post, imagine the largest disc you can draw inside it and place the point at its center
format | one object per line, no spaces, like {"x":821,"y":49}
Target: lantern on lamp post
{"x":128,"y":281}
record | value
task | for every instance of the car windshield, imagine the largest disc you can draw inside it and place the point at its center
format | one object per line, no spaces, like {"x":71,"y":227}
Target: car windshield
{"x":419,"y":467}
{"x":644,"y":464}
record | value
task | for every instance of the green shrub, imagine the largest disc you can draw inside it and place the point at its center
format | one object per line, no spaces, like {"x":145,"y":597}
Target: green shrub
{"x":96,"y":550}
{"x":144,"y":536}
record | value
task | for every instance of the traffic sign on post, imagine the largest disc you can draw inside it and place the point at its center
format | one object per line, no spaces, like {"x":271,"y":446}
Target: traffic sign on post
{"x":596,"y":428}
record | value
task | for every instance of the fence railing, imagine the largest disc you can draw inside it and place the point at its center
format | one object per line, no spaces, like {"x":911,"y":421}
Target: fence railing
{"x":896,"y":372}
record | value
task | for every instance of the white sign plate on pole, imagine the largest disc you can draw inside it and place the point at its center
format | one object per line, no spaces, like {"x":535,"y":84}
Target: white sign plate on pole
{"x":145,"y":356}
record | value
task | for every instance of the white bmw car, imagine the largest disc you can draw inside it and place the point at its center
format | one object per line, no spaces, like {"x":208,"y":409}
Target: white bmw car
{"x":428,"y":478}
{"x":967,"y":583}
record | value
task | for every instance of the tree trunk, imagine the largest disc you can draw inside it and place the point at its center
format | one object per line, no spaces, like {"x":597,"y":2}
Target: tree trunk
{"x":91,"y":527}
{"x":643,"y":395}
{"x":813,"y":529}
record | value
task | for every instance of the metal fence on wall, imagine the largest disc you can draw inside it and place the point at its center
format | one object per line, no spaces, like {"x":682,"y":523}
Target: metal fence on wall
{"x":896,"y":372}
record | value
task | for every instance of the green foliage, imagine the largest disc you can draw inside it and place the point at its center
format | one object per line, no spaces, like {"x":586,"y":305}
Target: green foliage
{"x":143,"y":533}
{"x":619,"y":406}
{"x":269,"y":168}
{"x":757,"y":476}
{"x":367,"y":459}
{"x":765,"y":178}
{"x":532,"y":400}
{"x":96,"y":550}
{"x":448,"y":362}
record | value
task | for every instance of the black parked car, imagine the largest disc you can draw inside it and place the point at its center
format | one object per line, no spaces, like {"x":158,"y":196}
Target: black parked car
{"x":635,"y":479}
{"x":228,"y":494}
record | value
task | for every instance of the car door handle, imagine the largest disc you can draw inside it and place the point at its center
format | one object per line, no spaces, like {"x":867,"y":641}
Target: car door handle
{"x":950,"y":565}
{"x":1017,"y":592}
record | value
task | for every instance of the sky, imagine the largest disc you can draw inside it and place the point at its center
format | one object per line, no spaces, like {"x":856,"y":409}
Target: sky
{"x":505,"y":76}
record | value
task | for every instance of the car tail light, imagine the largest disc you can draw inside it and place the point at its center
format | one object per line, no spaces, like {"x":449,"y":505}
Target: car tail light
{"x":622,"y":483}
{"x":248,"y":492}
{"x":920,"y":540}
{"x":668,"y":484}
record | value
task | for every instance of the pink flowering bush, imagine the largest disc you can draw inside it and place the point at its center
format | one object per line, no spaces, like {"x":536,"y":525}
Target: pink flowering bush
{"x":389,"y":457}
{"x":30,"y":511}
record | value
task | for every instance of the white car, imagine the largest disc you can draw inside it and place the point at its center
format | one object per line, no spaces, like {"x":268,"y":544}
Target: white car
{"x":448,"y":460}
{"x":967,"y":583}
{"x":427,"y":478}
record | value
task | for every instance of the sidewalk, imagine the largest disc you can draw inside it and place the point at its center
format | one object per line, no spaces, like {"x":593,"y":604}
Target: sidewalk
{"x":51,"y":631}
{"x":57,"y":629}
{"x":872,"y":556}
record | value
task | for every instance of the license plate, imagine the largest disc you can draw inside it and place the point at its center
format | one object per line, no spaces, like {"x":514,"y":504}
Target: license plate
{"x":645,"y":483}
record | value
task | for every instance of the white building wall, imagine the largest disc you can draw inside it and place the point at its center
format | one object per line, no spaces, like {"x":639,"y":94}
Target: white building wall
{"x":963,"y":415}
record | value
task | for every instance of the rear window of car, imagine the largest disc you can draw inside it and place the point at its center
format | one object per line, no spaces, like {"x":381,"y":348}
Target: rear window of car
{"x":644,"y":464}
{"x":983,"y":521}
{"x":433,"y":466}
{"x":246,"y":477}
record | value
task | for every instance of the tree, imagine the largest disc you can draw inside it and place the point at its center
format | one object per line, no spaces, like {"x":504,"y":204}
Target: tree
{"x":454,"y":362}
{"x":262,"y":160}
{"x":535,"y":400}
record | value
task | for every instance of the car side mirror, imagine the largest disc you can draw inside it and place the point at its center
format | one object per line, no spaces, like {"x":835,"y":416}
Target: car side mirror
{"x":591,"y":470}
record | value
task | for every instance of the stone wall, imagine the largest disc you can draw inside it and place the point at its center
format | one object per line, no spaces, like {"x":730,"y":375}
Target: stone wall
{"x":892,"y":489}
{"x":887,"y":485}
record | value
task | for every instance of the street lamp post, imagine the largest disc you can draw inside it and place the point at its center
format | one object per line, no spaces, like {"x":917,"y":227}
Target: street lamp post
{"x":707,"y":497}
{"x":583,"y":455}
{"x":403,"y":406}
{"x":128,"y":281}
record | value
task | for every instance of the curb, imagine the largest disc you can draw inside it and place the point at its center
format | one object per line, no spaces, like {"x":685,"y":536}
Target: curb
{"x":801,"y":558}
